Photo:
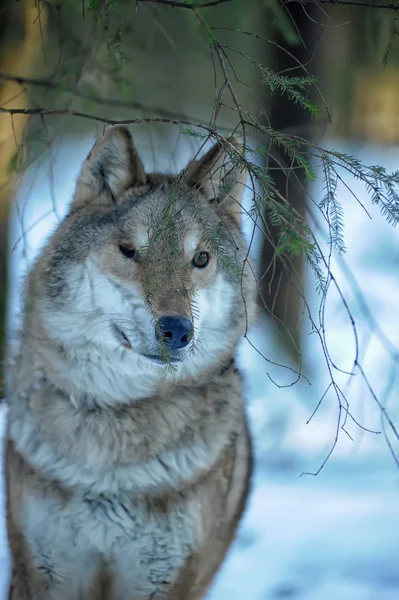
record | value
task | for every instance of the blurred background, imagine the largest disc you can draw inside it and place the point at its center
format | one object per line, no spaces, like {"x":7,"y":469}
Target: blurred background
{"x":323,"y":521}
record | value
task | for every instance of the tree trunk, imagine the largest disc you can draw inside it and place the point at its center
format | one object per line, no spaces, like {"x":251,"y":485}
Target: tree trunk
{"x":19,"y":38}
{"x":279,"y":297}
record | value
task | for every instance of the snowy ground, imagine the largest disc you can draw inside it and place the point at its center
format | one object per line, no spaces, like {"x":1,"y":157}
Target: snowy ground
{"x":330,"y":537}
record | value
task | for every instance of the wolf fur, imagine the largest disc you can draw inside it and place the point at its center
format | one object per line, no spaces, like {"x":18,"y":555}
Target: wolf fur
{"x":128,"y":469}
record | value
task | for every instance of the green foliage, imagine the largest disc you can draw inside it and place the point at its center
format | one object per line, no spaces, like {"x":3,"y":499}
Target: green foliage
{"x":316,"y":262}
{"x":292,"y":148}
{"x":381,"y":186}
{"x":295,"y":236}
{"x":331,"y":205}
{"x":96,"y":6}
{"x":292,"y":87}
{"x":16,"y":162}
{"x":214,"y":240}
{"x":195,"y":134}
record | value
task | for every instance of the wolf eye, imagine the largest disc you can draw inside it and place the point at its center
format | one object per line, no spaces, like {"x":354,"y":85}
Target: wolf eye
{"x":129,"y":252}
{"x":201,"y":260}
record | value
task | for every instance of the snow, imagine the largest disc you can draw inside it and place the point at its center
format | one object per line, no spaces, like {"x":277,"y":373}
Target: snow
{"x":334,"y":536}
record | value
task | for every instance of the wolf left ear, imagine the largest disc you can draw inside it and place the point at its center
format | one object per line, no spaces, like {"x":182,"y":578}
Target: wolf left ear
{"x":219,"y":176}
{"x":111,"y":167}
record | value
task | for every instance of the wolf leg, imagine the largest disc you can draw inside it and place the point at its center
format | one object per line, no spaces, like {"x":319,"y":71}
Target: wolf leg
{"x":22,"y":588}
{"x":18,"y":589}
{"x":28,"y":585}
{"x":47,"y":576}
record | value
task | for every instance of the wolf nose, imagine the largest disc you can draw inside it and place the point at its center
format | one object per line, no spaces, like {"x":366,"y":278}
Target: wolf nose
{"x":175,"y":331}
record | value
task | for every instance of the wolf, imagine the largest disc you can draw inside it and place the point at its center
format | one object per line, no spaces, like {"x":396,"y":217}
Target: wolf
{"x":128,"y":456}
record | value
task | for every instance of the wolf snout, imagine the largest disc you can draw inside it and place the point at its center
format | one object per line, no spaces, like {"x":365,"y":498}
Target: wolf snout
{"x":175,"y":331}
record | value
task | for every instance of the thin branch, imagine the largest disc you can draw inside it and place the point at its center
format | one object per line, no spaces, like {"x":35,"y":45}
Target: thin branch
{"x":389,"y":5}
{"x":50,"y":84}
{"x":193,"y":5}
{"x":43,"y":112}
{"x":27,"y":80}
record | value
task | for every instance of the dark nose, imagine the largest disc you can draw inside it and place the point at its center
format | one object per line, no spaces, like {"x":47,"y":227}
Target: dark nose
{"x":176,"y":332}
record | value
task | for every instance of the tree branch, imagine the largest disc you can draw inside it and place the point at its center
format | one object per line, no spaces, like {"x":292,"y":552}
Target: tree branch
{"x":131,"y":104}
{"x":43,"y":112}
{"x":394,"y":5}
{"x":27,"y":80}
{"x":191,"y":6}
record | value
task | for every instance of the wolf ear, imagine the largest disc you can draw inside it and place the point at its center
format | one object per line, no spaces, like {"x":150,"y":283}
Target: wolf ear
{"x":111,"y":167}
{"x":219,"y":176}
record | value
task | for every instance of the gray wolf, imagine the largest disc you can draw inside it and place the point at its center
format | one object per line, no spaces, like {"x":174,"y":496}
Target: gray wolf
{"x":128,"y":453}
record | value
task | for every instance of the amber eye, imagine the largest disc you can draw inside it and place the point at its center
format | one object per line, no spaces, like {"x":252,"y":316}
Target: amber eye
{"x":129,"y":252}
{"x":201,"y":260}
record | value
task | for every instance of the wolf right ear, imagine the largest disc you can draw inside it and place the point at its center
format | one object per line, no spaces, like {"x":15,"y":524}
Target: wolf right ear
{"x":220,"y":176}
{"x":111,"y":167}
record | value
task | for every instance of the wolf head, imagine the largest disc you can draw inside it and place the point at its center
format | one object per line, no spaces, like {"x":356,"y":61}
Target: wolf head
{"x":152,"y":268}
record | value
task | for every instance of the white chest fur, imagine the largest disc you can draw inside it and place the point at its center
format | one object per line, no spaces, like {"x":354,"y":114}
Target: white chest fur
{"x":143,"y":544}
